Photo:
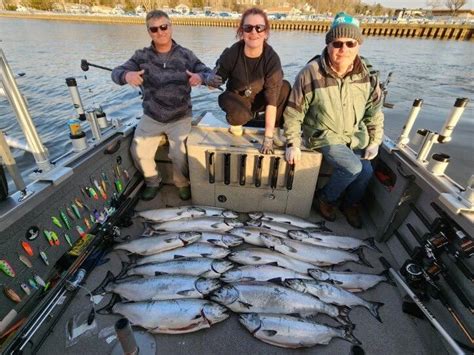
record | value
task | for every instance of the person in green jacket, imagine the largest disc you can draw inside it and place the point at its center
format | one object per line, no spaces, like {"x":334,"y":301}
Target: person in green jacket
{"x":336,"y":101}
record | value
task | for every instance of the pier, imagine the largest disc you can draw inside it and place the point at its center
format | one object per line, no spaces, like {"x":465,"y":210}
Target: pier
{"x":440,"y":31}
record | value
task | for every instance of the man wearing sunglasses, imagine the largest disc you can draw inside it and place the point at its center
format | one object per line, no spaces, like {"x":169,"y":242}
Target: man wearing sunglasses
{"x":336,"y":101}
{"x":166,"y":72}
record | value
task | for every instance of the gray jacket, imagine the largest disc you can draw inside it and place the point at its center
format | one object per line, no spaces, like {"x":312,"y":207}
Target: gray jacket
{"x":166,"y":90}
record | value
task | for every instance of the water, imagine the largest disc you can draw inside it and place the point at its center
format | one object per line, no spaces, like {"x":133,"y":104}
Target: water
{"x":49,"y":51}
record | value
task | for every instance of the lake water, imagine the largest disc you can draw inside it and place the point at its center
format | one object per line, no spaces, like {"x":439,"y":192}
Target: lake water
{"x":49,"y":51}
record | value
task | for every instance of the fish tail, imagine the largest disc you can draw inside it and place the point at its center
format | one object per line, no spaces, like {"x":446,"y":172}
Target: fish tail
{"x":343,"y":316}
{"x":374,"y":310}
{"x":321,"y":226}
{"x":347,"y":329}
{"x":101,"y":288}
{"x":362,"y":258}
{"x":107,"y":309}
{"x":388,"y":278}
{"x":370,"y":243}
{"x":125,"y":268}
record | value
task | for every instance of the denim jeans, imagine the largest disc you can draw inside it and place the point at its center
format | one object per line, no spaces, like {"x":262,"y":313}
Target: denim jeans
{"x":351,"y":174}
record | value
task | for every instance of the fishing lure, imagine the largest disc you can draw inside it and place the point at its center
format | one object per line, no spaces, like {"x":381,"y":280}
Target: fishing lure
{"x":92,"y":218}
{"x":68,"y":239}
{"x":81,"y":232}
{"x":32,"y":233}
{"x":44,"y":257}
{"x":66,"y":221}
{"x":78,"y":202}
{"x":56,"y":222}
{"x":69,"y":213}
{"x":92,"y":193}
{"x":103,"y":184}
{"x":118,"y":185}
{"x":25,"y":288}
{"x":39,"y":280}
{"x":33,"y":283}
{"x":54,"y":237}
{"x":87,"y":223}
{"x":27,"y":248}
{"x":105,"y":178}
{"x":76,"y":211}
{"x":11,"y":294}
{"x":117,"y":171}
{"x":84,"y":191}
{"x":101,"y":191}
{"x":126,"y":174}
{"x":49,"y":238}
{"x":25,"y":261}
{"x":7,"y":268}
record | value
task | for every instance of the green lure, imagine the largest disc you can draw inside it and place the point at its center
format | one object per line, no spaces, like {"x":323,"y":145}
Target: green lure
{"x":7,"y":268}
{"x":76,"y":211}
{"x":56,"y":222}
{"x":66,"y":221}
{"x":68,"y":239}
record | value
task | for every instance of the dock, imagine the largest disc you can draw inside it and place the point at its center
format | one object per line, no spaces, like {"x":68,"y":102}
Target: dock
{"x":440,"y":31}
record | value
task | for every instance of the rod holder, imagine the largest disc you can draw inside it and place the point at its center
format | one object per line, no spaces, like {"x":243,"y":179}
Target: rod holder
{"x":438,"y":163}
{"x":430,"y":139}
{"x":18,"y":103}
{"x":126,"y":337}
{"x":95,"y":129}
{"x":404,"y":138}
{"x":76,"y":98}
{"x":452,"y":120}
{"x":10,"y":163}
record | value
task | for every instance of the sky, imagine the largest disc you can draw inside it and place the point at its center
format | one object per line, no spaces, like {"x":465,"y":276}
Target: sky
{"x":411,"y":4}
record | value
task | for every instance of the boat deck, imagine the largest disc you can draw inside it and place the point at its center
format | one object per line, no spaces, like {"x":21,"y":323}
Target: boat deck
{"x":398,"y":334}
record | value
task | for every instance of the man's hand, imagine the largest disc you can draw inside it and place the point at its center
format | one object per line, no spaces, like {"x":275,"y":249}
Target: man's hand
{"x":213,"y":80}
{"x":292,"y":155}
{"x":134,"y":78}
{"x":267,"y":145}
{"x":371,"y":151}
{"x":194,"y":79}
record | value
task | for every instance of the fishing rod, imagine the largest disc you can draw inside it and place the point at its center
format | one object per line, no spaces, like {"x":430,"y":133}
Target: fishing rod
{"x":396,"y":276}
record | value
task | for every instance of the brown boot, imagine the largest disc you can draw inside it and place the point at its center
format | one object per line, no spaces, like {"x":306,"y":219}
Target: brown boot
{"x":326,"y":210}
{"x":352,"y":215}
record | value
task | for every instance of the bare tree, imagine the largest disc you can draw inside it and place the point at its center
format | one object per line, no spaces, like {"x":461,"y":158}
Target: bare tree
{"x":455,"y":5}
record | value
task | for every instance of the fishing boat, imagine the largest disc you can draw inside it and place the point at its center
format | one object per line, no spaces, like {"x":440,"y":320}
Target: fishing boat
{"x":56,"y":233}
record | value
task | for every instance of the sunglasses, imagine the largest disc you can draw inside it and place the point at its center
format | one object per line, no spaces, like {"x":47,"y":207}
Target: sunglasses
{"x":154,"y":29}
{"x":258,"y":28}
{"x":339,"y":44}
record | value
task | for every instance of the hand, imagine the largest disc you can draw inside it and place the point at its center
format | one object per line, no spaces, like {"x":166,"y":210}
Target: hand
{"x":194,"y":79}
{"x":292,"y":155}
{"x":213,"y":80}
{"x":267,"y":145}
{"x":135,"y":78}
{"x":371,"y":152}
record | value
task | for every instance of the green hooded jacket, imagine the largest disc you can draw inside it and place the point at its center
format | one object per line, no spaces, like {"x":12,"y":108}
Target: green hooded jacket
{"x":331,"y":110}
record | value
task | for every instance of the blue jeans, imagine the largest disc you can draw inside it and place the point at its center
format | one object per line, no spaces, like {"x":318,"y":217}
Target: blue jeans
{"x":351,"y":174}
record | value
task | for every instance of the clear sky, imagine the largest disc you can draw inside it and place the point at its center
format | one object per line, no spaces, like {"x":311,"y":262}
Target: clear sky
{"x":411,"y":4}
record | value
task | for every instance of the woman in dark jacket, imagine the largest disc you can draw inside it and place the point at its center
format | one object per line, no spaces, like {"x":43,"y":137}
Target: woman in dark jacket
{"x":254,"y":78}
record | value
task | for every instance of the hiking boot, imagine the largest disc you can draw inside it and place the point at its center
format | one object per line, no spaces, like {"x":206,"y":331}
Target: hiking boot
{"x":184,"y":193}
{"x":149,"y":192}
{"x":352,"y":215}
{"x":326,"y":210}
{"x":236,"y":130}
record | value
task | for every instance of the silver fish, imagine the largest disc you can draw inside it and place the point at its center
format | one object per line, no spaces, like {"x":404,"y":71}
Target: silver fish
{"x":354,"y":282}
{"x":160,"y":243}
{"x":172,"y":316}
{"x":265,"y":297}
{"x":292,"y":332}
{"x":257,"y":256}
{"x":279,"y":227}
{"x":285,"y":218}
{"x":332,"y":294}
{"x":163,"y":287}
{"x":171,"y":214}
{"x":261,"y":273}
{"x":194,"y":250}
{"x":316,"y":255}
{"x":332,"y":241}
{"x":204,"y":267}
{"x":177,"y":213}
{"x":251,"y":235}
{"x":199,"y":224}
{"x":224,"y":240}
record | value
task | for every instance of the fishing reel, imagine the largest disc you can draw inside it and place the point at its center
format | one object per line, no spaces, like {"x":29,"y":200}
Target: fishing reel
{"x":421,"y":279}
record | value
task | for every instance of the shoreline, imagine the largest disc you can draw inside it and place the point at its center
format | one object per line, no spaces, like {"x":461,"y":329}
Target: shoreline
{"x":439,"y":31}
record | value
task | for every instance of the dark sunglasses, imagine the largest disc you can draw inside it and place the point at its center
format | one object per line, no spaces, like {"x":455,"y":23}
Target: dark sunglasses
{"x":339,"y":44}
{"x":163,"y":28}
{"x":258,"y":28}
